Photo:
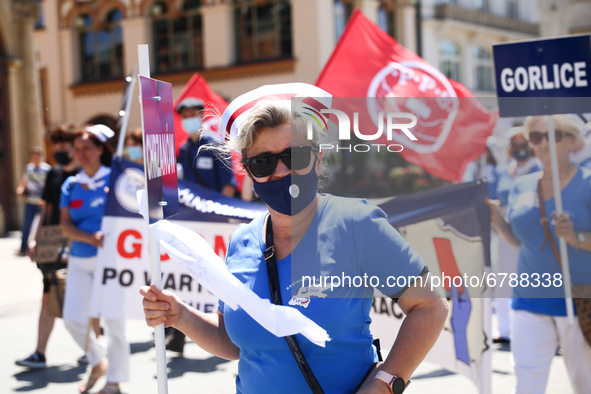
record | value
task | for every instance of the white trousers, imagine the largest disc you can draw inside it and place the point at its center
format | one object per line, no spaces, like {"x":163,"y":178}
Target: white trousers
{"x":79,"y":283}
{"x":507,"y":256}
{"x":534,"y":340}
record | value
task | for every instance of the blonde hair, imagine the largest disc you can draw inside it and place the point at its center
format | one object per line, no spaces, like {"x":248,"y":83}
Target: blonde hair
{"x":563,"y":123}
{"x":265,"y":114}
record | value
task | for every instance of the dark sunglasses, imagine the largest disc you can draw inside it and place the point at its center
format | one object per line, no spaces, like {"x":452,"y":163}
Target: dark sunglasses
{"x":294,"y":158}
{"x":536,"y":137}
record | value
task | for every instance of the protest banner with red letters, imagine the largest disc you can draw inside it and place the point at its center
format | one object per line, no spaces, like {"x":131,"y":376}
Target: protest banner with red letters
{"x":449,"y":118}
{"x":449,"y":227}
{"x":123,"y":264}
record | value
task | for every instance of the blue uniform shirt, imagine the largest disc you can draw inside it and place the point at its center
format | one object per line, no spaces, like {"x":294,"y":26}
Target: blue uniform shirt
{"x":87,"y":208}
{"x":205,"y":169}
{"x":346,"y":237}
{"x":541,"y":290}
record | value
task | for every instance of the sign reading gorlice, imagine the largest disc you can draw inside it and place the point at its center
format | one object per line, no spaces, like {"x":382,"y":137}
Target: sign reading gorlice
{"x":159,"y":148}
{"x":543,"y":77}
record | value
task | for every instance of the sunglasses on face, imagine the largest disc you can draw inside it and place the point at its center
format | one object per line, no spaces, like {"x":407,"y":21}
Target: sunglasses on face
{"x":536,"y":137}
{"x":294,"y":158}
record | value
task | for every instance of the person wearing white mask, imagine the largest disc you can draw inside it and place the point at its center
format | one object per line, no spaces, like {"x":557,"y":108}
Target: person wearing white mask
{"x":134,"y":150}
{"x":202,"y":167}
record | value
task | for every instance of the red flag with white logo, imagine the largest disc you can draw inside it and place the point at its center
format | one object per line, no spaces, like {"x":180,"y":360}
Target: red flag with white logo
{"x":452,"y":125}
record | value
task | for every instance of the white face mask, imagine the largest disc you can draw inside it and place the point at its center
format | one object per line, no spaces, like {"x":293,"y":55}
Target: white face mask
{"x":135,"y":152}
{"x":192,"y":125}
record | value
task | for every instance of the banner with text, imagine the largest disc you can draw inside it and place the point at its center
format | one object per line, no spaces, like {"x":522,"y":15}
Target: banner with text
{"x":449,"y":227}
{"x":123,"y":262}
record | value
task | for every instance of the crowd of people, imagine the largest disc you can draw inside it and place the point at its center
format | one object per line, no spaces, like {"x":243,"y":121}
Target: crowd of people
{"x":332,"y":234}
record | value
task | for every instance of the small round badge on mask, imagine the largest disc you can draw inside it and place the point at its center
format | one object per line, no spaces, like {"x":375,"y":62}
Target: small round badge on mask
{"x":294,"y":191}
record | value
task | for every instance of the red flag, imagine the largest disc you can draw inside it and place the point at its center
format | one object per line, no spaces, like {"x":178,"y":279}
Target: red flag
{"x":451,"y":132}
{"x":198,"y":88}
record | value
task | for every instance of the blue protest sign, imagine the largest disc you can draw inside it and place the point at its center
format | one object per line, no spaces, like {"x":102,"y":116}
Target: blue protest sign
{"x":544,"y":77}
{"x":159,"y":148}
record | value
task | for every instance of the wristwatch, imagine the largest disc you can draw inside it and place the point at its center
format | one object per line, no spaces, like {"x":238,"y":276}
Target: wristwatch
{"x":396,"y":383}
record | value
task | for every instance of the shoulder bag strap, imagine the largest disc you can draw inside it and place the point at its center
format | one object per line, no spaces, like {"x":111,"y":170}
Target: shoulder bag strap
{"x":273,"y":275}
{"x":544,"y":221}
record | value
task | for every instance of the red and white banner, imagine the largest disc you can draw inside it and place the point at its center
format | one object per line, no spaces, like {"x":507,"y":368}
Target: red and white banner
{"x":452,"y":125}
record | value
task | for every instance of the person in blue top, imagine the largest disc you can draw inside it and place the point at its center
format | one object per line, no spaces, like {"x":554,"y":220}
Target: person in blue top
{"x":313,"y":236}
{"x":202,"y":167}
{"x":82,"y":206}
{"x":522,"y":160}
{"x":539,"y":322}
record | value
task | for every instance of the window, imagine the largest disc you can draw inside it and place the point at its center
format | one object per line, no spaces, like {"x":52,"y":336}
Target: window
{"x":263,"y":30}
{"x":101,"y":50}
{"x":484,"y":69}
{"x":40,"y":22}
{"x":449,"y":59}
{"x":513,"y":9}
{"x":386,"y":18}
{"x":342,"y":13}
{"x":178,"y":42}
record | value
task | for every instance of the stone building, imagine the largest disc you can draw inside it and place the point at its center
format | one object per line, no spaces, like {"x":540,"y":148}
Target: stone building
{"x":21,"y":126}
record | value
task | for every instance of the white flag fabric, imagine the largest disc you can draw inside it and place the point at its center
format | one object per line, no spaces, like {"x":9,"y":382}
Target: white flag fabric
{"x":192,"y":252}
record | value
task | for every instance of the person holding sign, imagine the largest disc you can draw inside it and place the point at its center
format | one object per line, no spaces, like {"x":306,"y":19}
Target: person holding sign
{"x":305,"y":233}
{"x":82,"y":206}
{"x":539,"y":322}
{"x":61,"y":137}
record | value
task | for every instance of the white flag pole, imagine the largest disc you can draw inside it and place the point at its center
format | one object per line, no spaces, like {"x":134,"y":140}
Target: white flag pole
{"x":144,"y":70}
{"x":125,"y":120}
{"x":558,"y":202}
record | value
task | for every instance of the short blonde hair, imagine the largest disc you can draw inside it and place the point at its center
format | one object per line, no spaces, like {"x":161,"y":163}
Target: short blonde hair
{"x":562,"y":122}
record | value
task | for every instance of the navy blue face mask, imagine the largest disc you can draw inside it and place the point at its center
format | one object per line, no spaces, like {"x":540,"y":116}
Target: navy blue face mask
{"x":289,"y":195}
{"x":520,"y":154}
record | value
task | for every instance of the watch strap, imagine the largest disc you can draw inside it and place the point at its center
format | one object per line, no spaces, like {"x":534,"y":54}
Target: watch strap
{"x":396,"y":384}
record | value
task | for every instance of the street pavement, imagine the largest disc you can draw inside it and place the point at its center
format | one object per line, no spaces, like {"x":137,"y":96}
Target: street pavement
{"x":195,"y":372}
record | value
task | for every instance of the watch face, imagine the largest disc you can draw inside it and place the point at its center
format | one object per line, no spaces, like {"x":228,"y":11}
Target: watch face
{"x":581,"y":237}
{"x":398,"y":386}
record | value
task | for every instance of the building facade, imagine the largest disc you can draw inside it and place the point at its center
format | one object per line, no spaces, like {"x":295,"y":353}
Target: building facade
{"x":20,"y":105}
